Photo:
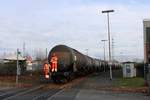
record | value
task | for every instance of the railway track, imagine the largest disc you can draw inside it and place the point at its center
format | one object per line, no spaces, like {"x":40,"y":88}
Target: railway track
{"x":3,"y":90}
{"x":41,"y":92}
{"x":87,"y":88}
{"x":10,"y":93}
{"x":45,"y":91}
{"x":20,"y":94}
{"x":36,"y":93}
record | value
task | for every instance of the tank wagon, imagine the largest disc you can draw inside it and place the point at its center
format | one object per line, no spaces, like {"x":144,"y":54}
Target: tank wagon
{"x":72,"y":63}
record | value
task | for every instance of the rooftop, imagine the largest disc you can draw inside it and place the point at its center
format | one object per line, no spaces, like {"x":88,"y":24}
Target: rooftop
{"x":145,"y":20}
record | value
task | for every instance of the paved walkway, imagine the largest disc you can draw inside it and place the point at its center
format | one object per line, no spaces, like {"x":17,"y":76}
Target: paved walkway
{"x":85,"y":94}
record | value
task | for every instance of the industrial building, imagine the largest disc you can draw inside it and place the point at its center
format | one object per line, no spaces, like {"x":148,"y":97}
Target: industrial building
{"x":146,"y":30}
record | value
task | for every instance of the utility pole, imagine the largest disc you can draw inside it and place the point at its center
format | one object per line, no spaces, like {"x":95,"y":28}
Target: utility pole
{"x":112,"y":49}
{"x":24,"y":49}
{"x":109,"y":11}
{"x":104,"y":48}
{"x":87,"y":51}
{"x":17,"y":68}
{"x":46,"y":53}
{"x":4,"y":54}
{"x":104,"y":52}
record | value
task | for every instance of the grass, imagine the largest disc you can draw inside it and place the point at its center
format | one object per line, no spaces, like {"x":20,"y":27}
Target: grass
{"x":130,"y":82}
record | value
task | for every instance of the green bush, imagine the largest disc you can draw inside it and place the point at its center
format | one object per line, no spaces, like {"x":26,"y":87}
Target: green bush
{"x":139,"y":69}
{"x":9,"y":68}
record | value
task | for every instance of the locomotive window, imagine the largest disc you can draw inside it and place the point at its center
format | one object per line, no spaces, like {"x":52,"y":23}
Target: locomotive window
{"x":148,"y":34}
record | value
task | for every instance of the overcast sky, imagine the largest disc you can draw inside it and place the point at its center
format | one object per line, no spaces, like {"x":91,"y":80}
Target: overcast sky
{"x":77,"y":23}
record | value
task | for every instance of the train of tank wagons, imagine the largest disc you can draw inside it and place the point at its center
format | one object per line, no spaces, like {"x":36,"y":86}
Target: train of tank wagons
{"x":71,"y":64}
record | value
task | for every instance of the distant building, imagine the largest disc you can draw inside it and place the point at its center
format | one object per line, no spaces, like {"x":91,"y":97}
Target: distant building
{"x":146,"y":30}
{"x":29,"y":63}
{"x":14,"y":57}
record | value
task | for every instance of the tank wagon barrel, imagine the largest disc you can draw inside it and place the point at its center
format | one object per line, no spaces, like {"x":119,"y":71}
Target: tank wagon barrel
{"x":72,"y":63}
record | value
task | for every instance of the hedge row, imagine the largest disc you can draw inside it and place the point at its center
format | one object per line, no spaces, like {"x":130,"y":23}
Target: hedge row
{"x":9,"y":68}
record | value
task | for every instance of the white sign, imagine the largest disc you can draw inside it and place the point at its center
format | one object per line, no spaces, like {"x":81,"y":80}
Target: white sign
{"x":75,"y":58}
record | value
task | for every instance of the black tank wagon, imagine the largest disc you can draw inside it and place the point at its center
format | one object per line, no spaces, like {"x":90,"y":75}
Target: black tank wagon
{"x":72,"y":63}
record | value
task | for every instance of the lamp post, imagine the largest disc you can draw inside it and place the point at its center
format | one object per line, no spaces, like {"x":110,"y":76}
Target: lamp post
{"x":109,"y":11}
{"x":104,"y":51}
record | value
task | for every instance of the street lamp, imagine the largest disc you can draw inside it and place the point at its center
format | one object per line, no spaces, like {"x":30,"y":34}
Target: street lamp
{"x":109,"y":11}
{"x":104,"y":51}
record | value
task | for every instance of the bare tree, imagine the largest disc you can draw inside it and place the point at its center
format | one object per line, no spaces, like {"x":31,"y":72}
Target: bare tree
{"x":39,"y":55}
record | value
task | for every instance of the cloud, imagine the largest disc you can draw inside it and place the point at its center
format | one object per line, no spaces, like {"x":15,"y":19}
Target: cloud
{"x":78,"y":24}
